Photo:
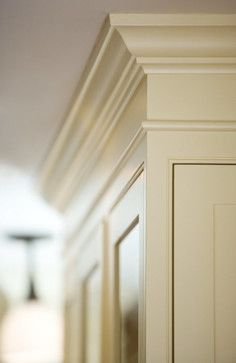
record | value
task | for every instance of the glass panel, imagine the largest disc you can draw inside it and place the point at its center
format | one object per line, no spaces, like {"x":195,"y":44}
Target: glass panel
{"x":128,"y":258}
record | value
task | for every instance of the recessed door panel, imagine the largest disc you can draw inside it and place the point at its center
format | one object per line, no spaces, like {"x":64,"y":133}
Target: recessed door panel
{"x":204,"y":264}
{"x":92,"y":318}
{"x":127,"y":251}
{"x":90,"y":266}
{"x":128,"y":267}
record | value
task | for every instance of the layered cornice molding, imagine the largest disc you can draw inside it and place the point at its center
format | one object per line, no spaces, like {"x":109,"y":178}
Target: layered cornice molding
{"x":129,"y":47}
{"x":180,"y":43}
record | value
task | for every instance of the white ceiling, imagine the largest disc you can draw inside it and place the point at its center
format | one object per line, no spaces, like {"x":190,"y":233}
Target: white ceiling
{"x":44,"y":45}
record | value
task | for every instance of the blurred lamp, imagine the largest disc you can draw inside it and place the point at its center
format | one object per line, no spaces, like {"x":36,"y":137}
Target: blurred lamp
{"x":32,"y":332}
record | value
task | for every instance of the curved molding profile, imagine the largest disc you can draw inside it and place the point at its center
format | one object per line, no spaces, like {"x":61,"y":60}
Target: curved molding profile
{"x":129,"y":47}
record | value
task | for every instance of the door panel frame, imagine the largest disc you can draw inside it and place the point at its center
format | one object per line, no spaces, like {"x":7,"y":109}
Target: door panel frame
{"x":165,"y":149}
{"x":90,"y":259}
{"x":173,"y":165}
{"x":120,"y":222}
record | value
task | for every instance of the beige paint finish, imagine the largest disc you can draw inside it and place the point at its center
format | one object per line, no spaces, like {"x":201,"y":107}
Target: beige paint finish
{"x":200,"y":96}
{"x":127,"y":259}
{"x":92,"y":318}
{"x":225,"y":276}
{"x":90,"y":280}
{"x":85,"y":293}
{"x":111,"y":194}
{"x":193,"y":56}
{"x":204,"y":264}
{"x":128,"y":266}
{"x":108,"y":162}
{"x":164,"y":149}
{"x":44,"y":47}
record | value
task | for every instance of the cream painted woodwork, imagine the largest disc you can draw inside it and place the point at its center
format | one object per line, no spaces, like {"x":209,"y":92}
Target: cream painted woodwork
{"x":89,"y":278}
{"x":126,"y":237}
{"x":148,"y":146}
{"x":204,"y":263}
{"x":71,"y":314}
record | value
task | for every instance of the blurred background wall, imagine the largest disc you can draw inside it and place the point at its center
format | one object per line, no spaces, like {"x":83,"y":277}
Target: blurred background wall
{"x":30,"y":331}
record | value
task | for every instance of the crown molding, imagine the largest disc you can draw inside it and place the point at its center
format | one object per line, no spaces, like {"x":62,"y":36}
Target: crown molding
{"x":158,"y":65}
{"x":172,"y":20}
{"x":193,"y":125}
{"x":130,"y":46}
{"x":182,"y":43}
{"x":109,"y":81}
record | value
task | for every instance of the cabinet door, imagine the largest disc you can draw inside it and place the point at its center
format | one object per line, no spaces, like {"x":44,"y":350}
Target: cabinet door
{"x":92,"y":317}
{"x":126,"y":227}
{"x":90,"y":273}
{"x":204,"y":259}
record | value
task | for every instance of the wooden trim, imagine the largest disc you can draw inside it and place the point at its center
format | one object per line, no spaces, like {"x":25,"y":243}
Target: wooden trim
{"x":172,"y":165}
{"x":129,"y":47}
{"x":163,"y":20}
{"x":166,"y":149}
{"x":160,"y":65}
{"x":92,"y":146}
{"x":189,"y":125}
{"x":117,"y":233}
{"x":116,"y":172}
{"x":109,"y":82}
{"x":130,"y":150}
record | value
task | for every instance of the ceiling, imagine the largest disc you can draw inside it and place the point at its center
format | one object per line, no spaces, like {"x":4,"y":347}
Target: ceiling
{"x":44,"y":46}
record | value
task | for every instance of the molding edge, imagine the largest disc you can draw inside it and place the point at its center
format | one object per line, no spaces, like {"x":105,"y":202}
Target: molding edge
{"x":129,"y":47}
{"x":107,"y":85}
{"x":156,"y":125}
{"x":147,"y":126}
